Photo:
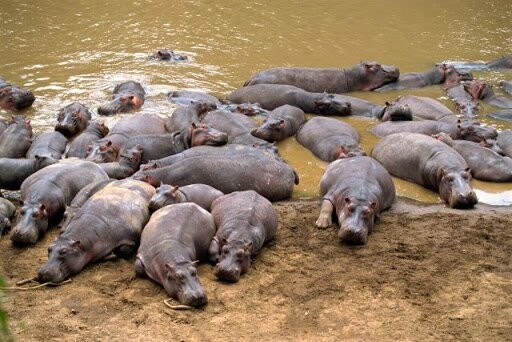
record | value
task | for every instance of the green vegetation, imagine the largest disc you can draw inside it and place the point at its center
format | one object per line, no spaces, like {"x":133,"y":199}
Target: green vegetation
{"x":5,"y":334}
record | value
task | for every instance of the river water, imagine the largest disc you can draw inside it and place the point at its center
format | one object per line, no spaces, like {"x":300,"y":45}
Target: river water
{"x":79,"y":50}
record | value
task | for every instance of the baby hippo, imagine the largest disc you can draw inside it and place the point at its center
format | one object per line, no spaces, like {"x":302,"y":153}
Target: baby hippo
{"x":172,"y":242}
{"x":245,"y":221}
{"x":200,"y":194}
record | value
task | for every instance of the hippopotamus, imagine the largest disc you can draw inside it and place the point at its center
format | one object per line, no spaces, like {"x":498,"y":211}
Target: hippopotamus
{"x":126,"y":97}
{"x":12,"y":97}
{"x":329,"y":139}
{"x":3,"y":125}
{"x":7,"y":210}
{"x":283,"y":122}
{"x":426,"y":108}
{"x":184,"y":116}
{"x":187,"y":97}
{"x":428,"y":127}
{"x":227,"y":168}
{"x":356,"y":190}
{"x":127,"y":165}
{"x":168,"y":55}
{"x":72,"y":119}
{"x":50,"y":144}
{"x":464,"y":102}
{"x":46,"y":193}
{"x":271,"y":96}
{"x":506,"y":86}
{"x":247,"y":108}
{"x":499,"y":63}
{"x":237,"y":127}
{"x":100,"y":227}
{"x":482,"y":91}
{"x":201,"y":194}
{"x":428,"y":162}
{"x":504,"y":141}
{"x":169,"y":253}
{"x":79,"y":145}
{"x":106,"y":152}
{"x":245,"y":221}
{"x":484,"y":163}
{"x":362,"y":76}
{"x":126,"y":128}
{"x":16,"y":139}
{"x":504,"y":114}
{"x":435,"y":75}
{"x":13,"y":171}
{"x":157,"y":146}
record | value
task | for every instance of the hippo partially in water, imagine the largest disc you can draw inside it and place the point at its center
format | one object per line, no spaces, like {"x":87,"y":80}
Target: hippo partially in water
{"x":187,"y":97}
{"x":126,"y":97}
{"x":50,"y":144}
{"x":72,"y":119}
{"x":168,"y":55}
{"x":79,"y":145}
{"x":16,"y":139}
{"x":504,"y":62}
{"x":14,"y":98}
{"x":506,"y":86}
{"x":281,"y":123}
{"x":482,"y":91}
{"x":184,"y":116}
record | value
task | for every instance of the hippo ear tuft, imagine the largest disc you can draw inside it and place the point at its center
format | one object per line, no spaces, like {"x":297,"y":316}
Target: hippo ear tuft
{"x":175,"y":188}
{"x":195,"y":263}
{"x":76,"y":244}
{"x":373,"y":205}
{"x":247,"y":247}
{"x":42,"y":207}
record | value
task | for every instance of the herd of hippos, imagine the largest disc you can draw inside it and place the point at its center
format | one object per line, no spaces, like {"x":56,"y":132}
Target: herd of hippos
{"x":198,"y":184}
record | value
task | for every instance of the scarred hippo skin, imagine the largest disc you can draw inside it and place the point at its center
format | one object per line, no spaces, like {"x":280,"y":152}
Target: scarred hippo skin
{"x":7,"y":210}
{"x":271,"y":96}
{"x":499,"y":63}
{"x":72,"y":119}
{"x":506,"y":86}
{"x":16,"y":139}
{"x":14,"y":98}
{"x":201,"y":194}
{"x":126,"y":97}
{"x":157,"y":146}
{"x":245,"y":221}
{"x":464,"y":102}
{"x":169,"y":253}
{"x":111,"y":221}
{"x":46,"y":193}
{"x":363,"y":76}
{"x":358,"y":189}
{"x":126,"y":128}
{"x":227,"y":168}
{"x":329,"y":139}
{"x":283,"y":122}
{"x":168,"y":55}
{"x":428,"y":162}
{"x":127,"y":165}
{"x":484,"y":163}
{"x":184,"y":116}
{"x":426,"y":108}
{"x":50,"y":144}
{"x":482,"y":91}
{"x":79,"y":145}
{"x":13,"y":171}
{"x":186,"y":97}
{"x":504,"y":141}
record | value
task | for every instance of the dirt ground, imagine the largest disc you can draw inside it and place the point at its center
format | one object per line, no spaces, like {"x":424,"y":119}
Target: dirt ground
{"x":427,"y":273}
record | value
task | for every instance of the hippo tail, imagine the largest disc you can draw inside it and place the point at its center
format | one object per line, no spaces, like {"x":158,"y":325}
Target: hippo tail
{"x":296,"y":181}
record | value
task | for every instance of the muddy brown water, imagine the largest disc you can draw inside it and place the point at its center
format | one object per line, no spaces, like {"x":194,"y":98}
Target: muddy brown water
{"x":79,"y":50}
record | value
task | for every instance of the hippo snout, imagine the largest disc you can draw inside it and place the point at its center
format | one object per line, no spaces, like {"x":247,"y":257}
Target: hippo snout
{"x":463,"y":200}
{"x":353,"y":236}
{"x":50,"y":274}
{"x":231,"y":274}
{"x":26,"y":238}
{"x":195,"y":298}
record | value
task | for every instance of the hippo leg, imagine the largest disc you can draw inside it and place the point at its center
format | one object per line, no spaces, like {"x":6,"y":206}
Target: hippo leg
{"x":325,"y":218}
{"x":126,"y":249}
{"x":214,"y":251}
{"x":139,"y":268}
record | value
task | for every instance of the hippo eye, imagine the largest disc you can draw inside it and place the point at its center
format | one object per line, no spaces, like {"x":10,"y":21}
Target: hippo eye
{"x":22,"y":212}
{"x":63,"y":251}
{"x":50,"y":249}
{"x":225,"y":249}
{"x":193,"y":272}
{"x":449,"y":178}
{"x":350,"y":208}
{"x":465,"y":175}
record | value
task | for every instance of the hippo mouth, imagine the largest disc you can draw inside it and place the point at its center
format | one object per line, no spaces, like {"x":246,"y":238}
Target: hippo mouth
{"x":228,"y":275}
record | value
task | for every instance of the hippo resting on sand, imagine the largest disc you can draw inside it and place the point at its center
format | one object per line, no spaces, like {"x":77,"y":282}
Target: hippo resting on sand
{"x":484,"y":163}
{"x":245,"y":221}
{"x":126,"y":97}
{"x":172,"y":243}
{"x":362,"y":76}
{"x":356,"y":190}
{"x":111,"y":221}
{"x":226,"y":168}
{"x":428,"y":162}
{"x":46,"y":193}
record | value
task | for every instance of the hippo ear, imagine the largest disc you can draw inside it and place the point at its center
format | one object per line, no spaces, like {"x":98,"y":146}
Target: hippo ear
{"x":373,"y":205}
{"x":42,"y":207}
{"x":175,"y":188}
{"x":224,"y":241}
{"x":247,"y":247}
{"x":109,"y":143}
{"x":194,"y":126}
{"x":347,"y":200}
{"x":387,"y":104}
{"x":37,"y":157}
{"x":195,"y":263}
{"x":76,"y":244}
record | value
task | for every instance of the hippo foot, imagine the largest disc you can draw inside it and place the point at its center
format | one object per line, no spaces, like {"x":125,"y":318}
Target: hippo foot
{"x":139,"y":268}
{"x":325,"y":218}
{"x":125,"y":250}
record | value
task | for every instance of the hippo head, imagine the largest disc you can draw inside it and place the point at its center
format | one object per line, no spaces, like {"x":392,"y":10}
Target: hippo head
{"x":204,"y":135}
{"x":271,"y":130}
{"x":181,"y":282}
{"x":132,"y":157}
{"x":453,"y":76}
{"x":444,"y":137}
{"x":65,"y":257}
{"x":72,"y":119}
{"x":328,"y":104}
{"x":454,"y":189}
{"x":376,"y":75}
{"x":102,"y":152}
{"x":99,"y":128}
{"x":356,"y":218}
{"x":166,"y":195}
{"x":234,"y":260}
{"x":44,"y":161}
{"x":347,"y":152}
{"x":122,"y":104}
{"x":32,"y":223}
{"x":168,"y":55}
{"x":394,"y":112}
{"x":478,"y":90}
{"x":473,"y":131}
{"x":204,"y":106}
{"x":4,"y":223}
{"x":15,"y":98}
{"x":249,"y":109}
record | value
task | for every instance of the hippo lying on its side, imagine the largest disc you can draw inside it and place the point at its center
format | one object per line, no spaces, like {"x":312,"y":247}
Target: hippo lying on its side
{"x":426,"y":108}
{"x":359,"y":189}
{"x":428,"y":162}
{"x":329,"y":139}
{"x":484,"y":163}
{"x":46,"y":193}
{"x":282,"y":123}
{"x":127,"y":165}
{"x":184,"y":116}
{"x":126,"y":97}
{"x":50,"y":144}
{"x":13,"y":171}
{"x":187,"y":97}
{"x":72,"y":119}
{"x":7,"y":210}
{"x":12,"y":97}
{"x":504,"y":141}
{"x":506,"y":86}
{"x":102,"y":226}
{"x":201,"y":194}
{"x":362,"y":76}
{"x":168,"y":55}
{"x":79,"y":145}
{"x":172,"y":243}
{"x":16,"y":139}
{"x":499,"y":63}
{"x":482,"y":91}
{"x":245,"y":221}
